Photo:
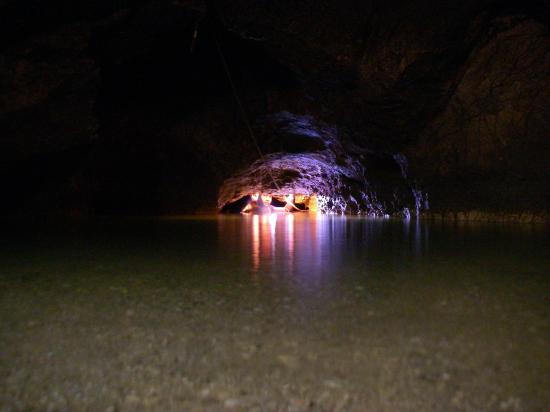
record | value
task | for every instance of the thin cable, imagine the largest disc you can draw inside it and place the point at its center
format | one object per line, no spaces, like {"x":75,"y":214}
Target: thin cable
{"x":194,"y":39}
{"x":241,"y":109}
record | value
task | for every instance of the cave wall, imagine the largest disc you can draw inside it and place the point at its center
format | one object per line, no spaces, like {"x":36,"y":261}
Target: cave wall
{"x":118,"y":115}
{"x":460,"y":87}
{"x":491,"y":143}
{"x":109,"y":107}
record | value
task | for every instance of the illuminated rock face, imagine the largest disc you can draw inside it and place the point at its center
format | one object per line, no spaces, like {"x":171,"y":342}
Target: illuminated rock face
{"x":280,"y":174}
{"x":335,"y":176}
{"x":309,"y":160}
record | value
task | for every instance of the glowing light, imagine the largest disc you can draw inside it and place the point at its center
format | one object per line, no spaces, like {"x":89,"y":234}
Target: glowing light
{"x":312,"y":203}
{"x":267,"y":236}
{"x":272,"y":219}
{"x":266,"y":200}
{"x":272,"y":227}
{"x":255,"y":243}
{"x":255,"y":196}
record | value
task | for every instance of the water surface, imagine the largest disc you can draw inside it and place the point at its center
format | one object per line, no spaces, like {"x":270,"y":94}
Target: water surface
{"x":287,"y":312}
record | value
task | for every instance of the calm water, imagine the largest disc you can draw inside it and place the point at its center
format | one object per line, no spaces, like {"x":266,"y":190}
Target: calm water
{"x":285,"y":312}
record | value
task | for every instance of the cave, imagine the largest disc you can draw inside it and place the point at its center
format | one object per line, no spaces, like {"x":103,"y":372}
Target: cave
{"x":152,"y":108}
{"x":314,"y":205}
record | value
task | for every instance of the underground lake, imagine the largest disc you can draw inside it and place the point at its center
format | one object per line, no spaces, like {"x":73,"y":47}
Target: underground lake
{"x":275,"y":206}
{"x":274,"y":312}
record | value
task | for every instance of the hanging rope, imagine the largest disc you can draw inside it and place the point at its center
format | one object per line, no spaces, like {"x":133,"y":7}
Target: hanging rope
{"x":241,"y":109}
{"x":194,"y":39}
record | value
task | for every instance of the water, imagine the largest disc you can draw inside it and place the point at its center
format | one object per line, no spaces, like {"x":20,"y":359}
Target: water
{"x":284,"y":312}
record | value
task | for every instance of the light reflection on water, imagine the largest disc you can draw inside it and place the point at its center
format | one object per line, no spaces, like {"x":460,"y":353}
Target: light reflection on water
{"x":314,"y":245}
{"x":326,"y":255}
{"x":309,"y":249}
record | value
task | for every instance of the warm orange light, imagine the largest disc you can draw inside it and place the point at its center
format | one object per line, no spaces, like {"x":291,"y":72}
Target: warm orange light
{"x":313,"y":203}
{"x":266,"y":199}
